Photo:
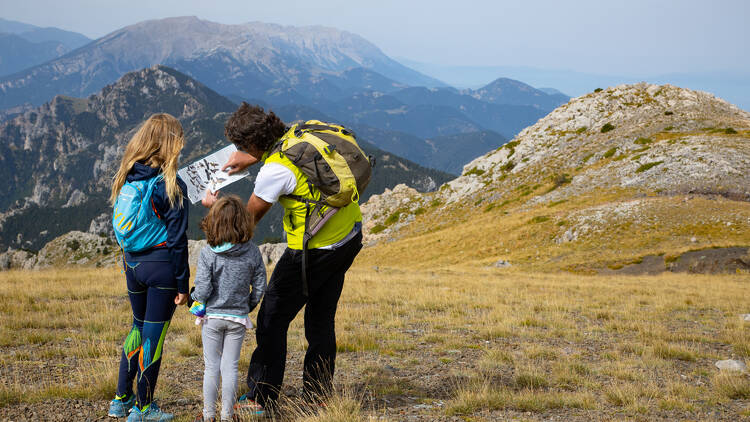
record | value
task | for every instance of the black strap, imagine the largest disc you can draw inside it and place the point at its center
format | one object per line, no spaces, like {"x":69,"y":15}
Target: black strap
{"x":305,"y":239}
{"x":301,"y":128}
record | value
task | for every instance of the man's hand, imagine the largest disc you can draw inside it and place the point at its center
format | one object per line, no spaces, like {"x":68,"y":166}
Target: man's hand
{"x":210,"y":198}
{"x":180,"y":299}
{"x":238,"y":162}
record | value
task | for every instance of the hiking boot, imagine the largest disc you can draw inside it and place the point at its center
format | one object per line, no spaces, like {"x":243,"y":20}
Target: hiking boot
{"x":152,"y":413}
{"x":119,"y":408}
{"x":246,"y":404}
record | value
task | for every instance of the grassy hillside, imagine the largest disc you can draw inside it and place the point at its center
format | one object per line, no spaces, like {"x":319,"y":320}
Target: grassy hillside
{"x":456,"y":343}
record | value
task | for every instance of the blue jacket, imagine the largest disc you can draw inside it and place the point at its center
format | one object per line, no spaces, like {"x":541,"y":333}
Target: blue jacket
{"x":176,"y":219}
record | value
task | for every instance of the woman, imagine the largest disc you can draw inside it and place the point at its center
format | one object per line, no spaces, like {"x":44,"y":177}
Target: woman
{"x":157,"y":275}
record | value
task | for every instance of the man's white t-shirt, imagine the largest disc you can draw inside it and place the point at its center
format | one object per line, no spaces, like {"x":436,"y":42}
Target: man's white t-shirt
{"x":275,"y":180}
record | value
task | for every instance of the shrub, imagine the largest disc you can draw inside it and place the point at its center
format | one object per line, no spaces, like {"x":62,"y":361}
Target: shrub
{"x":539,"y":219}
{"x":73,"y":245}
{"x":730,"y":131}
{"x":508,"y":166}
{"x":419,"y":211}
{"x":647,"y":166}
{"x":669,"y":128}
{"x":668,"y":113}
{"x":643,"y":141}
{"x":610,"y":152}
{"x":581,"y":129}
{"x":474,"y":171}
{"x":561,"y":179}
{"x":607,"y":127}
{"x":598,"y":90}
{"x":392,"y":218}
{"x":377,"y":229}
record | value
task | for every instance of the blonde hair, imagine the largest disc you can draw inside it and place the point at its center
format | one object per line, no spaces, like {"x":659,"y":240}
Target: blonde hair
{"x":157,"y":143}
{"x":228,"y":221}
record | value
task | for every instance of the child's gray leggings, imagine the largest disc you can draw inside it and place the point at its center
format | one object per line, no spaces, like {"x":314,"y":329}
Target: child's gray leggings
{"x":222,"y":342}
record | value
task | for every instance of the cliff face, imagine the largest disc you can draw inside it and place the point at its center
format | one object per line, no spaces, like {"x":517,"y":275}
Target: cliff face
{"x":602,"y":181}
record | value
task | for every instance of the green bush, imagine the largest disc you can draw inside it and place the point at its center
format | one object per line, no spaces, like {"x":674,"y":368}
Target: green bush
{"x":598,"y":90}
{"x":377,"y":229}
{"x":539,"y":219}
{"x":474,"y":171}
{"x":610,"y":152}
{"x":581,"y":129}
{"x":647,"y":166}
{"x":392,"y":218}
{"x":730,"y":131}
{"x":607,"y":127}
{"x":73,"y":245}
{"x":508,"y":166}
{"x":668,"y":113}
{"x":668,"y":128}
{"x":643,"y":141}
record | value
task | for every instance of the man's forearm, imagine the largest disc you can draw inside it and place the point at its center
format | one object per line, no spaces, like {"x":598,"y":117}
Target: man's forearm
{"x":257,"y":207}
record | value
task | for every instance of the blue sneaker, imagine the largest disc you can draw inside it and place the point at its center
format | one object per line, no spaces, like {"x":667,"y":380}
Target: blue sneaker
{"x":151,"y":414}
{"x":246,"y":404}
{"x":119,"y":408}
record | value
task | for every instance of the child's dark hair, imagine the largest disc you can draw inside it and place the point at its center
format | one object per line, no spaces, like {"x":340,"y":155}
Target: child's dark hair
{"x":251,"y":128}
{"x":228,"y":221}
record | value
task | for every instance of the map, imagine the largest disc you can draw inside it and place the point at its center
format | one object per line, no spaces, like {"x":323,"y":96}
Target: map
{"x":206,"y":174}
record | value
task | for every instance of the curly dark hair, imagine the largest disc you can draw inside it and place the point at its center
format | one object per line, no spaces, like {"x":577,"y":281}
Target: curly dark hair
{"x":252,"y":128}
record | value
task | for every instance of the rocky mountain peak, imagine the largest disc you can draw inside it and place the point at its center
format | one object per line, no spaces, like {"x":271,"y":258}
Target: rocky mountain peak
{"x":624,"y":175}
{"x":609,"y":138}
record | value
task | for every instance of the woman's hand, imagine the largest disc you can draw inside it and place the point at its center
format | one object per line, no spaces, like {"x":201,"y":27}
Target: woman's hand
{"x":238,"y":162}
{"x":210,"y":198}
{"x":180,"y":299}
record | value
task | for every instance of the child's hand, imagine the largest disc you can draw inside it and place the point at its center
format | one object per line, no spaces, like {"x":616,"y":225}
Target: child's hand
{"x":180,"y":299}
{"x":198,"y":309}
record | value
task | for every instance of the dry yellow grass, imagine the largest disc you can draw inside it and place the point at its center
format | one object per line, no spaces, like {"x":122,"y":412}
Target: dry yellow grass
{"x":456,"y":341}
{"x":529,"y":235}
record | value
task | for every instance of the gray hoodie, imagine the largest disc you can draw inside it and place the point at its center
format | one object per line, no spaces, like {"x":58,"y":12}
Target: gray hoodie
{"x":223,"y":279}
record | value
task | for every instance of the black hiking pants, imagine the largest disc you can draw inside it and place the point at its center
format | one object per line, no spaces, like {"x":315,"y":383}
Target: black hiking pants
{"x":282,"y":301}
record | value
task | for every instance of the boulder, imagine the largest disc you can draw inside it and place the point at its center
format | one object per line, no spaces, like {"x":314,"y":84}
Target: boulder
{"x":731,"y":365}
{"x":272,"y":252}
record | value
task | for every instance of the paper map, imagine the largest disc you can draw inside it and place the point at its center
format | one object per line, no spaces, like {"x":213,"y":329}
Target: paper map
{"x":206,"y":174}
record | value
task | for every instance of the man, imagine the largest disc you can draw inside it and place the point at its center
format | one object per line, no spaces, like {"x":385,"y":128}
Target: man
{"x":330,"y":254}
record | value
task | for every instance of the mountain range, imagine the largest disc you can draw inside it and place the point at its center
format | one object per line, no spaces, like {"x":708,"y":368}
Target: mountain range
{"x":335,"y":73}
{"x":58,"y":159}
{"x":23,"y":45}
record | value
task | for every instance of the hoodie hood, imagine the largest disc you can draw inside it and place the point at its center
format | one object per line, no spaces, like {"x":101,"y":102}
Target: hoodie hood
{"x":235,"y":250}
{"x":141,"y":172}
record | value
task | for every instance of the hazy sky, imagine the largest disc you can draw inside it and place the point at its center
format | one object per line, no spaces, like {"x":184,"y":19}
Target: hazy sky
{"x":632,"y":37}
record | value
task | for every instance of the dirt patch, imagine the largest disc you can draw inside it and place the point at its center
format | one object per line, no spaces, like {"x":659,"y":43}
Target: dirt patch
{"x":705,"y":261}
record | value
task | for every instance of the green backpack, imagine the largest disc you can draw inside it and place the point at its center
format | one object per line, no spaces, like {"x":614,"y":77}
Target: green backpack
{"x":328,"y":154}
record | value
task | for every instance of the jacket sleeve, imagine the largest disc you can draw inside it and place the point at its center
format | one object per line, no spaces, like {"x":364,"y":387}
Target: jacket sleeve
{"x":203,"y":286}
{"x":258,"y":280}
{"x":176,"y":219}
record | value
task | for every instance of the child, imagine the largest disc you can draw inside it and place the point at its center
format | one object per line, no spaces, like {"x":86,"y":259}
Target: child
{"x":227,"y":268}
{"x":150,"y":220}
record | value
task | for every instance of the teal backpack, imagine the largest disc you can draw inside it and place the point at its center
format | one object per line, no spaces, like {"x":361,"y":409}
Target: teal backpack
{"x":137,"y":225}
